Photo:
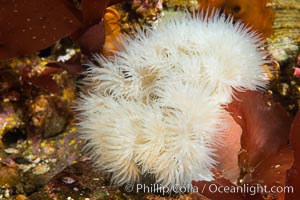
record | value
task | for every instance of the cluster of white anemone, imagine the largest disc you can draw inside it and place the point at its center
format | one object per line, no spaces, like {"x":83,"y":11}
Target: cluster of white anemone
{"x":155,"y":108}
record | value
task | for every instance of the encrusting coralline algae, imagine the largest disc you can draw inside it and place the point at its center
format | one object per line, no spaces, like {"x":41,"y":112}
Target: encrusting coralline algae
{"x":155,"y":107}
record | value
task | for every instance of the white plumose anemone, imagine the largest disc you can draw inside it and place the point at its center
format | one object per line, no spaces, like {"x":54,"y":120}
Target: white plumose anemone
{"x":155,"y":107}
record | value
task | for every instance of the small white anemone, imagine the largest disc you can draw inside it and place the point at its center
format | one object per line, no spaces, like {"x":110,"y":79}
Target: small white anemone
{"x":110,"y":127}
{"x":175,"y":144}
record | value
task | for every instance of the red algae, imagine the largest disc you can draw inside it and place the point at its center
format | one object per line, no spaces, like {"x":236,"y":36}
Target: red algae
{"x":253,"y":13}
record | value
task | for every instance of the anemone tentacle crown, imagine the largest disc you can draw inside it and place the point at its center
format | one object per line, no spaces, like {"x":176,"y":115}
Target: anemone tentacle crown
{"x":154,"y":108}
